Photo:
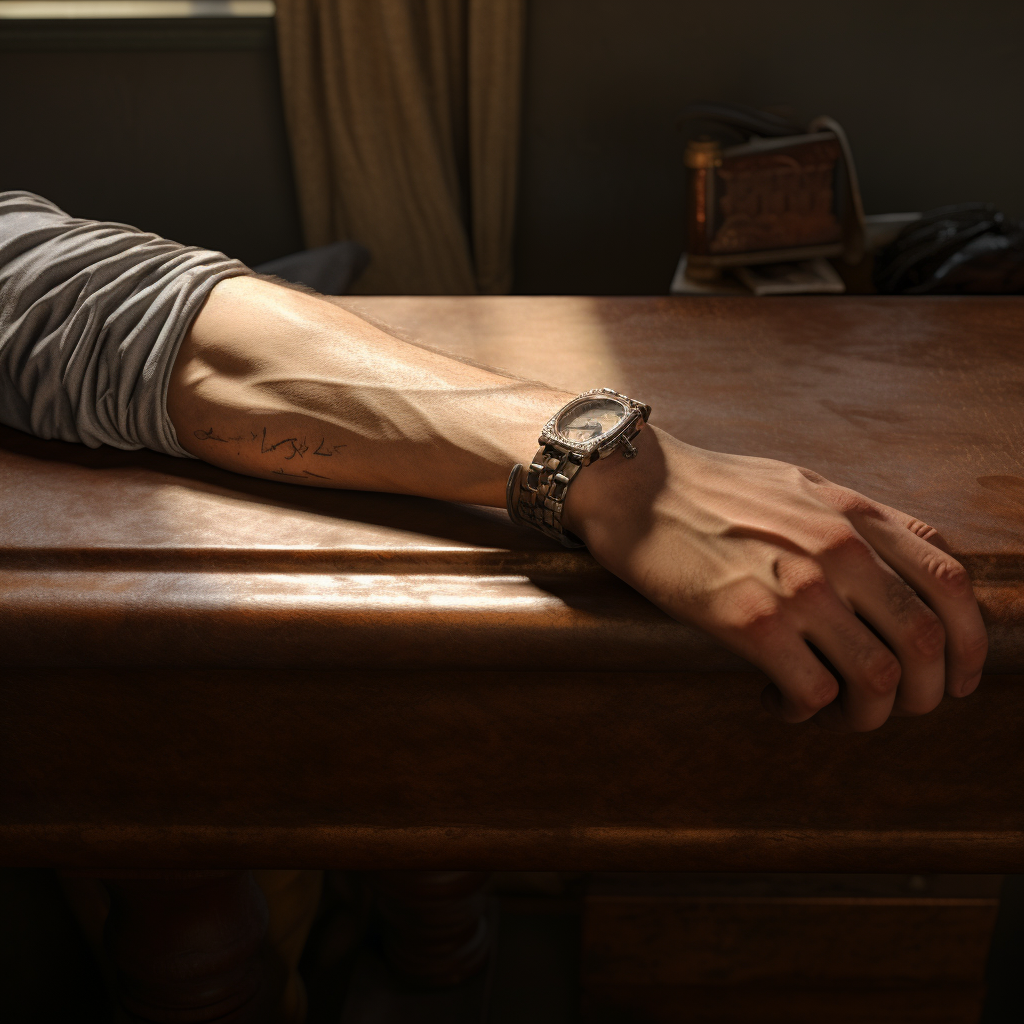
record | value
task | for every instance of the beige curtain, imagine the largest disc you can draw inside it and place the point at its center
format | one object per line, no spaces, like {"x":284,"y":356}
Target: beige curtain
{"x":403,"y":117}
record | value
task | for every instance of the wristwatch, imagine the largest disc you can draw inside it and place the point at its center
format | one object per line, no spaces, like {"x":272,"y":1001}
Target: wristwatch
{"x":592,"y":426}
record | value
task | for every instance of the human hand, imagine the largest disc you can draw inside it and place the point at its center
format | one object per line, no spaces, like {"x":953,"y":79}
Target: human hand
{"x":769,"y":558}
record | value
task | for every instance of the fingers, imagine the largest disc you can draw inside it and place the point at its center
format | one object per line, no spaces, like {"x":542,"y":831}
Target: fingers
{"x":884,"y":643}
{"x":941,"y":582}
{"x":871,"y":674}
{"x":760,"y":625}
{"x":801,"y":685}
{"x":913,"y":633}
{"x":804,"y":688}
{"x":870,"y":671}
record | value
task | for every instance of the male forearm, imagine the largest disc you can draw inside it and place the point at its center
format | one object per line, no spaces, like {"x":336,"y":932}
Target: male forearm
{"x":276,"y":383}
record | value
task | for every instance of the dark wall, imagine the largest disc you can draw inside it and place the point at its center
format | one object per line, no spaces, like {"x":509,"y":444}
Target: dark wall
{"x":176,"y":131}
{"x":931,"y":93}
{"x":178,"y":128}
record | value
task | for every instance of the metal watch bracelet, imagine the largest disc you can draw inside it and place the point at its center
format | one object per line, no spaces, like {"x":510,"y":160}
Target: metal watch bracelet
{"x":545,"y":485}
{"x":536,"y":498}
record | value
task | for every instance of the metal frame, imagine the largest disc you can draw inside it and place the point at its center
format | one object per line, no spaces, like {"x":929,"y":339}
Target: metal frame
{"x":634,"y":410}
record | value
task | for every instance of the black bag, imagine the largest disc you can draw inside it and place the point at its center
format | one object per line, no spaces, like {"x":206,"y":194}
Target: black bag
{"x":970,"y":249}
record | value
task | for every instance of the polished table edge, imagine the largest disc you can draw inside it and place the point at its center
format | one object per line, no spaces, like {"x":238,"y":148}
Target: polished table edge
{"x":49,"y":619}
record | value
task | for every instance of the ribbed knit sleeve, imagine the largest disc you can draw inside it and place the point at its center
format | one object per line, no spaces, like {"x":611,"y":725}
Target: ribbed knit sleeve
{"x":91,"y":318}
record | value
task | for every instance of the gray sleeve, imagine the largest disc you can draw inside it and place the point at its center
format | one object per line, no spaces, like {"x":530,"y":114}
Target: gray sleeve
{"x":91,"y":318}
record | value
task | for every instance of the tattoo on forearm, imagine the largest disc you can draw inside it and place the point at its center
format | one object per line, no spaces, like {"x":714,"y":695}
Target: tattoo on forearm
{"x":263,"y":444}
{"x":298,"y":449}
{"x":292,"y":445}
{"x":299,"y":476}
{"x":208,"y":435}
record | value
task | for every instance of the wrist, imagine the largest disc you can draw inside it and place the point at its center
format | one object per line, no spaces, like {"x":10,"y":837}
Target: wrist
{"x":591,"y":429}
{"x":611,"y":492}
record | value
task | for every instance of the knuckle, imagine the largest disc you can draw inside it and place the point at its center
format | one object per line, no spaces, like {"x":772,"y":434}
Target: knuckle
{"x":801,"y":578}
{"x":809,"y":475}
{"x":807,"y":700}
{"x":882,"y":674}
{"x":923,"y":530}
{"x":927,"y":636}
{"x":975,"y":645}
{"x":841,"y":539}
{"x":949,"y":574}
{"x":812,"y":590}
{"x":853,"y":503}
{"x":821,"y":693}
{"x":758,"y":624}
{"x":752,"y":610}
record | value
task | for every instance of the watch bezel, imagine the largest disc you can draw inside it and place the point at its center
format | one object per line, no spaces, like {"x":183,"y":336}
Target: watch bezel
{"x":632,"y":413}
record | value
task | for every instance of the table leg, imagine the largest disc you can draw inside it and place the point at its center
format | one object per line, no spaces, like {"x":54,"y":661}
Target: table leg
{"x":433,"y":924}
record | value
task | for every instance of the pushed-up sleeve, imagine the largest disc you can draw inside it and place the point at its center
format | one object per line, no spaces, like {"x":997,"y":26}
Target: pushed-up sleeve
{"x":91,"y":318}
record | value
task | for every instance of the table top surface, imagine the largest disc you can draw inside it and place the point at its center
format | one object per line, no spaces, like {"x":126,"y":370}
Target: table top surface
{"x":918,"y":403}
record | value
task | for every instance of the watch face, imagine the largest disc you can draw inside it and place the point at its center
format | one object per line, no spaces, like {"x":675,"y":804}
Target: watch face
{"x":590,"y":419}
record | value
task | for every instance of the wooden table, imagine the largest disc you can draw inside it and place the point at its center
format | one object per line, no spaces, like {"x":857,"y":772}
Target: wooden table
{"x":206,"y":670}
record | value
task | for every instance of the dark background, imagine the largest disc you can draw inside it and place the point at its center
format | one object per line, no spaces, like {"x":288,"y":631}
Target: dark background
{"x":177,"y":127}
